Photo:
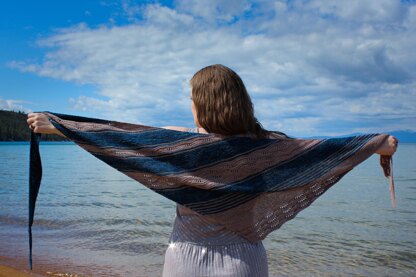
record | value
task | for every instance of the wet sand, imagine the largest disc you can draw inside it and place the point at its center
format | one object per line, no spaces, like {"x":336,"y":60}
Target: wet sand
{"x":12,"y":267}
{"x":6,"y":271}
{"x":18,"y":267}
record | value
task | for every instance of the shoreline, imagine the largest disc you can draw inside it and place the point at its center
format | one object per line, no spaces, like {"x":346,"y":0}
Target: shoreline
{"x":18,"y":267}
{"x":11,"y":267}
{"x":8,"y":271}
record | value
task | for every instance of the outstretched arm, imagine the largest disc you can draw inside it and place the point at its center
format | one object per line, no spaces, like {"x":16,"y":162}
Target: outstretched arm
{"x":39,"y":123}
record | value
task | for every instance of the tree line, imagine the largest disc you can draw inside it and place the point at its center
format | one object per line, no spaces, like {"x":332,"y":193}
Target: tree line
{"x":13,"y":127}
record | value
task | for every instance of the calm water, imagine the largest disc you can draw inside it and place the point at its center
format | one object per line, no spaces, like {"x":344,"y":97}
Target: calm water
{"x":92,"y":220}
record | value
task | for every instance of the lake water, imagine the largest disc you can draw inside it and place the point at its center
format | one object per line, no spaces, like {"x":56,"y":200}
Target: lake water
{"x":92,"y":220}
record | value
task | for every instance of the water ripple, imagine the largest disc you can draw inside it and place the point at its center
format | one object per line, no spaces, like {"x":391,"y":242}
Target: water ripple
{"x":109,"y":225}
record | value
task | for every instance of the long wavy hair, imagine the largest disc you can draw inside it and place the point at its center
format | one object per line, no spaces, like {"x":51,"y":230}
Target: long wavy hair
{"x":222,"y":103}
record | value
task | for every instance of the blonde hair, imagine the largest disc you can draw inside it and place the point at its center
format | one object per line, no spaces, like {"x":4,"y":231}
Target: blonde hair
{"x":222,"y":103}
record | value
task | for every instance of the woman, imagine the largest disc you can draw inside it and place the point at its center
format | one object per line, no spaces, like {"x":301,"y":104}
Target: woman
{"x":199,"y":246}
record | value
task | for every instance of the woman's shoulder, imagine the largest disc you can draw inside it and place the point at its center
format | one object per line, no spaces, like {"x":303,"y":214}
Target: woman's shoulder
{"x":176,"y":128}
{"x":277,"y":135}
{"x":185,"y":129}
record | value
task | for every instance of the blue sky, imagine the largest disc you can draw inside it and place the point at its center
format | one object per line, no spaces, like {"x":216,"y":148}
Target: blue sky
{"x":311,"y":67}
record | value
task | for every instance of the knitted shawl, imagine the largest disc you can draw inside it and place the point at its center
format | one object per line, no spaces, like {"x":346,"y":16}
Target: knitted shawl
{"x":250,"y":186}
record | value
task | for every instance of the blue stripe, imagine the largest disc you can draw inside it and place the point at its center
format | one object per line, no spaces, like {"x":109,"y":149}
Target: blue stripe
{"x":128,"y":140}
{"x":188,"y":160}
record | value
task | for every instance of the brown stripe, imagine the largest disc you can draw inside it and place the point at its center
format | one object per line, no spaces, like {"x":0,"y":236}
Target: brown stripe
{"x":94,"y":127}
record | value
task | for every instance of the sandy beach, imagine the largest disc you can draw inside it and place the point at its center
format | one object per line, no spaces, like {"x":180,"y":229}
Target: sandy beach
{"x":15,"y":271}
{"x":6,"y":271}
{"x":12,"y":267}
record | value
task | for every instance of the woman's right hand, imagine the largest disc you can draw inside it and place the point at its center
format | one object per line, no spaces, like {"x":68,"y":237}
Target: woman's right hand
{"x":39,"y":123}
{"x":389,"y":147}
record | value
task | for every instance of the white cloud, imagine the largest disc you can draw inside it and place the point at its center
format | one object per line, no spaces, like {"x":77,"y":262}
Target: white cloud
{"x":360,"y":11}
{"x":214,"y":11}
{"x":13,"y":105}
{"x":307,"y":65}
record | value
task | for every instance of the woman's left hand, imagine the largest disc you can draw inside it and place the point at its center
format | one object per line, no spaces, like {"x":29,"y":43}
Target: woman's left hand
{"x":39,"y":123}
{"x":389,"y":147}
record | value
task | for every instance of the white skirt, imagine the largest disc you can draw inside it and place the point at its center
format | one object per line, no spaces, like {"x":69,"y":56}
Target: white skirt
{"x":198,"y":248}
{"x":184,"y":259}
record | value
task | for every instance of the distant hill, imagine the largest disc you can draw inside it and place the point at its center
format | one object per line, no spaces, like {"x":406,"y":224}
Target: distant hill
{"x":405,"y":136}
{"x":402,"y":136}
{"x":13,"y":127}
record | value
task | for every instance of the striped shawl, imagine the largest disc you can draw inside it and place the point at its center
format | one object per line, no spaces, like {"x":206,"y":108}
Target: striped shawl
{"x":250,"y":186}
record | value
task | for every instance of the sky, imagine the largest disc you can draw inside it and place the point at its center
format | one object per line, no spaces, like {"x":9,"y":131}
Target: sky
{"x":312,"y":68}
